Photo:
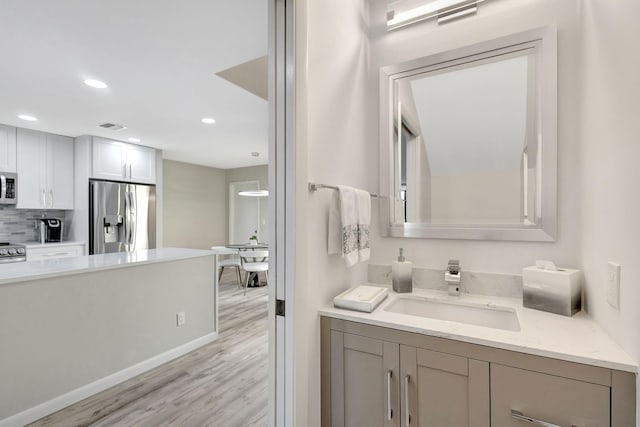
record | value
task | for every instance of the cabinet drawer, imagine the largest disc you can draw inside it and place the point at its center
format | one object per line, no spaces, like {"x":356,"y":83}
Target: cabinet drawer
{"x":34,"y":254}
{"x":554,"y":400}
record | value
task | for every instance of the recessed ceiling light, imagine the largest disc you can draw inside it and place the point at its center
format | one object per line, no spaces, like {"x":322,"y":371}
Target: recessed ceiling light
{"x":134,"y":140}
{"x":27,"y":118}
{"x":95,"y":84}
{"x":208,"y":120}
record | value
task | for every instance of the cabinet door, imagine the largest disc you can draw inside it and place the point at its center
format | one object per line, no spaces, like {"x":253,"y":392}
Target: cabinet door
{"x":7,"y":148}
{"x":443,"y":390}
{"x":141,"y":165}
{"x":546,"y":398}
{"x":48,"y":252}
{"x":108,"y":159}
{"x":59,"y":172}
{"x":364,"y":382}
{"x":31,"y":154}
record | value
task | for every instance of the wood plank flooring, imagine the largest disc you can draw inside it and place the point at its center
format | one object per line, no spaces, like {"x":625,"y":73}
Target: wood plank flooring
{"x":221,"y":384}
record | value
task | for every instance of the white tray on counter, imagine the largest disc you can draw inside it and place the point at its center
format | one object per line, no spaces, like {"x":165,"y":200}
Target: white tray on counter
{"x":361,"y":298}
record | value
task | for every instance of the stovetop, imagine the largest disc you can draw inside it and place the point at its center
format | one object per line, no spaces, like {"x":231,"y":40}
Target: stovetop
{"x":12,"y":252}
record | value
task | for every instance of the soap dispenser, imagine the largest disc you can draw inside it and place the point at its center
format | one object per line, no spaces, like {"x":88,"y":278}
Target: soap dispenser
{"x":401,"y":274}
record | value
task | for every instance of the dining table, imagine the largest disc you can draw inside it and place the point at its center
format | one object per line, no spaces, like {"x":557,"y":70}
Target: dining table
{"x":235,"y":248}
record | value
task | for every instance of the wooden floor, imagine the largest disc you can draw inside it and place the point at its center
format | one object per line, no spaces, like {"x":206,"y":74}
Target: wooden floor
{"x":221,"y":384}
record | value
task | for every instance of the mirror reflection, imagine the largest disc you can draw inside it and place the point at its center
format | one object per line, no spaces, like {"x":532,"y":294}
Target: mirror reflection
{"x":465,"y":143}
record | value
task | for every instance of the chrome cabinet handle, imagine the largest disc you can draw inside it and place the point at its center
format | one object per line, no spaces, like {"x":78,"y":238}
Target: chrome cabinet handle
{"x":129,"y":170}
{"x":124,"y":170}
{"x":407,"y":405}
{"x":389,"y":410}
{"x":51,"y":197}
{"x":44,"y":199}
{"x":521,"y":417}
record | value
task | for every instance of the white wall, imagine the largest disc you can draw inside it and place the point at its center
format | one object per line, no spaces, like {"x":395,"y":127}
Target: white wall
{"x":335,"y":144}
{"x":494,"y":19}
{"x":194,"y":205}
{"x":477,"y":197}
{"x":610,"y":173}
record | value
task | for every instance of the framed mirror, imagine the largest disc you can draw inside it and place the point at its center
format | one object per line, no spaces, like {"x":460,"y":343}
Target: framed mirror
{"x":468,"y":142}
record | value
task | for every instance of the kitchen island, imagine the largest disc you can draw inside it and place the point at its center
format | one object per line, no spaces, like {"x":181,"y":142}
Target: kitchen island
{"x":73,"y":327}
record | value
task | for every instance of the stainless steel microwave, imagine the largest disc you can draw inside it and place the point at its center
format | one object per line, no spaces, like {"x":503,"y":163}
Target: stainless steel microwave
{"x":8,"y":188}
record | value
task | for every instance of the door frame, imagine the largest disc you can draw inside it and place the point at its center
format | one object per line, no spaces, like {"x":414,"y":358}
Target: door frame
{"x":281,"y":212}
{"x":232,"y":206}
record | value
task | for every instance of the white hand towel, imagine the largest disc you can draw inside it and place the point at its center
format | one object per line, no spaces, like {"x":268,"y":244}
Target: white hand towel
{"x":334,"y":241}
{"x":363,"y":199}
{"x":349,"y":218}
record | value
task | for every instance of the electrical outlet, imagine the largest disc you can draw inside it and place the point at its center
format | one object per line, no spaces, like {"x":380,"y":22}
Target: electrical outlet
{"x":181,"y":318}
{"x":613,"y":285}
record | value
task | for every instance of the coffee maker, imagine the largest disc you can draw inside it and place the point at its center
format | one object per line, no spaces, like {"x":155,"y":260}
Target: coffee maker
{"x":50,"y":230}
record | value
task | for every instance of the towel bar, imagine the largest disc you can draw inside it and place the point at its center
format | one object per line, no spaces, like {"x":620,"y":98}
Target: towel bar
{"x":315,"y":186}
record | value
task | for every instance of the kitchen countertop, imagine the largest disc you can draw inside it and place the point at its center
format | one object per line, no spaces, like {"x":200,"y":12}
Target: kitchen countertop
{"x":575,"y":339}
{"x":43,"y":269}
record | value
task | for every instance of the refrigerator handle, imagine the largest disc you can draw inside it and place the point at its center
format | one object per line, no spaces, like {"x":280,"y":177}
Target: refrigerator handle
{"x":127,"y":216}
{"x":132,"y":218}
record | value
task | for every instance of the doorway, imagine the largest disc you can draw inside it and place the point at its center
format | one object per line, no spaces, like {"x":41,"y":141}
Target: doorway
{"x":244,"y":212}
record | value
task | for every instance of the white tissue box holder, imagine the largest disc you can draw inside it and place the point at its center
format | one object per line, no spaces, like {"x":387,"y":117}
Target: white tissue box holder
{"x":557,"y":292}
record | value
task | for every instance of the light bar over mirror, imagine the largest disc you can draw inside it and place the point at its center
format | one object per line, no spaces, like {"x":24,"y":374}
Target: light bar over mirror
{"x":406,"y":12}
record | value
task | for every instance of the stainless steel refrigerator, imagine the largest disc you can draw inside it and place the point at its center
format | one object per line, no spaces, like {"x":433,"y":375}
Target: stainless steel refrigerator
{"x":122,"y":217}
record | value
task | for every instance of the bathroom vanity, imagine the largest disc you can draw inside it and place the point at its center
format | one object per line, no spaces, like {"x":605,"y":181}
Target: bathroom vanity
{"x":390,"y":368}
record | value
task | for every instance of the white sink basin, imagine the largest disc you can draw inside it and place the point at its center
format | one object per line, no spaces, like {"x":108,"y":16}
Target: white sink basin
{"x":473,"y":314}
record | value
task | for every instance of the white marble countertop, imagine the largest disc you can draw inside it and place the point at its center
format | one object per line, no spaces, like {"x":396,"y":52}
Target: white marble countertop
{"x":43,"y":269}
{"x":575,"y":339}
{"x":52,"y":244}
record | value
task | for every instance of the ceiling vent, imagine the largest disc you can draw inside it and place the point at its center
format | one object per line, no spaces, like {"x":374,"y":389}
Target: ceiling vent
{"x":112,"y":126}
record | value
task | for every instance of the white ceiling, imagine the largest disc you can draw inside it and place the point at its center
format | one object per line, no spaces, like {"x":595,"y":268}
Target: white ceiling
{"x":159,"y":58}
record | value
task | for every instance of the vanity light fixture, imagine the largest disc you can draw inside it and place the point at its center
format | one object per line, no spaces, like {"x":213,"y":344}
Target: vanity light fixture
{"x":254,"y":193}
{"x":28,"y":118}
{"x":96,"y":84}
{"x":208,"y":120}
{"x":406,"y":12}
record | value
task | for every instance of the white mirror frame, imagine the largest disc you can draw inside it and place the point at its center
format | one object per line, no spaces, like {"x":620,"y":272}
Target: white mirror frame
{"x":545,"y":229}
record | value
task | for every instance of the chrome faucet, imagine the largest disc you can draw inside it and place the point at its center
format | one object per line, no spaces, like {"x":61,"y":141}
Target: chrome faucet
{"x":452,"y":277}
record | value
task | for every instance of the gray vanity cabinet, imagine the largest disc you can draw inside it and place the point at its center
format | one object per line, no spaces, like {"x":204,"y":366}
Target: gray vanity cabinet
{"x":376,"y":376}
{"x":442,"y":390}
{"x":548,"y":399}
{"x":380,"y":383}
{"x":364,"y":381}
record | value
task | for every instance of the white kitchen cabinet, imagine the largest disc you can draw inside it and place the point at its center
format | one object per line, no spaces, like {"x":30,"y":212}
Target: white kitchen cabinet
{"x":54,"y":250}
{"x":119,"y":161}
{"x":7,"y":148}
{"x":45,"y":170}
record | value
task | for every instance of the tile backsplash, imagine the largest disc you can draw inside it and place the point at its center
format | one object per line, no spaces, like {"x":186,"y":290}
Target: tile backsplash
{"x":18,"y":225}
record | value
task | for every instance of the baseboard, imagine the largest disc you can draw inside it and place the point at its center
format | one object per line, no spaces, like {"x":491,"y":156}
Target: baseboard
{"x":49,"y":407}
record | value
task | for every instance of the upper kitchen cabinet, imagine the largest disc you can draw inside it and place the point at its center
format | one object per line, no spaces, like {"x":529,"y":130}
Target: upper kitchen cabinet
{"x":7,"y":148}
{"x":45,"y":170}
{"x":119,"y":161}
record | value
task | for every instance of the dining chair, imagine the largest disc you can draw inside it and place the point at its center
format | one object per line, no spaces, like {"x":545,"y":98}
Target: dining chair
{"x":230,"y":261}
{"x":227,"y":258}
{"x":253,"y":262}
